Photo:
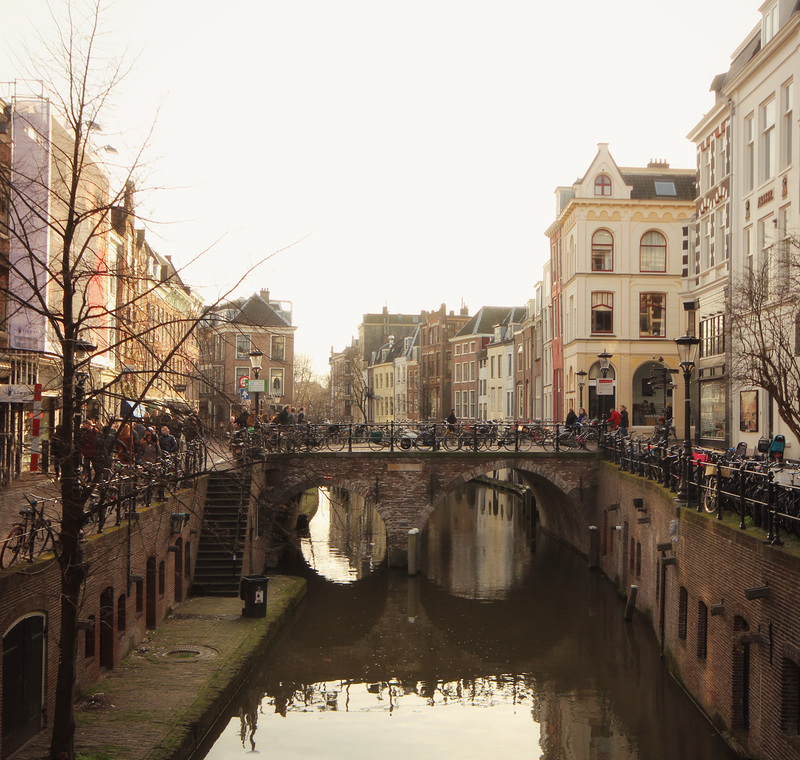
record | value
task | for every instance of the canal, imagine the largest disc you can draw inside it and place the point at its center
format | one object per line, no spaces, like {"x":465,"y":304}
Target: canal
{"x":506,"y":646}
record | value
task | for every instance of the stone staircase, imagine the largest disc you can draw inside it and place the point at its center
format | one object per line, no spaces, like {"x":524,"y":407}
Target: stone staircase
{"x":219,"y":552}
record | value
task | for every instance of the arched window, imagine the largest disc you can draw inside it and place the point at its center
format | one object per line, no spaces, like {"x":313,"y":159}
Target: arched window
{"x":653,"y":252}
{"x":602,"y":185}
{"x":602,"y":251}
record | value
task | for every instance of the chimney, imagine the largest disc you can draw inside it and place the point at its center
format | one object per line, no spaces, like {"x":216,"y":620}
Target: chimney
{"x":658,"y":163}
{"x":265,"y":295}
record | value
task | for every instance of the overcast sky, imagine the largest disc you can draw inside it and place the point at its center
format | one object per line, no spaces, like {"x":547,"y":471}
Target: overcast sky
{"x":393,"y":152}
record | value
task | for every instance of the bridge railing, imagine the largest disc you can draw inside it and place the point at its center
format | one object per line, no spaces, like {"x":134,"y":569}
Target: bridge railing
{"x":759,"y":492}
{"x":412,"y":436}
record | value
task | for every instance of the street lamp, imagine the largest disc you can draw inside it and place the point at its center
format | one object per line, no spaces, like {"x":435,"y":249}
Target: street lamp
{"x":604,"y":358}
{"x":687,"y":352}
{"x":256,"y":358}
{"x":581,"y":373}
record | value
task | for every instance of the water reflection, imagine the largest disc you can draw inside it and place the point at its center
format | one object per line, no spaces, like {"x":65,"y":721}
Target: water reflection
{"x":346,"y":537}
{"x":476,"y":543}
{"x":535,"y":662}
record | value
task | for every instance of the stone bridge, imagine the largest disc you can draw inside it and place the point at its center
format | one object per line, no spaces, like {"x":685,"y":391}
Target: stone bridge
{"x":405,"y":488}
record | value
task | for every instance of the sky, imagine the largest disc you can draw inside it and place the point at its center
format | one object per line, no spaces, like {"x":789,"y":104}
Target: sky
{"x":387,"y":153}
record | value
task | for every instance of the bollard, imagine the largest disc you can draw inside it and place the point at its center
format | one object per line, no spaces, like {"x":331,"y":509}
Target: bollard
{"x":413,"y":538}
{"x":594,"y":548}
{"x":630,"y":605}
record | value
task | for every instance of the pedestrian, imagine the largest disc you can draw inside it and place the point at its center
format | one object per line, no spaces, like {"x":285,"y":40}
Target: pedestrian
{"x":58,"y":448}
{"x":623,"y":419}
{"x":613,"y":418}
{"x":451,"y":421}
{"x":582,"y":416}
{"x":292,"y":416}
{"x":301,"y":416}
{"x":89,"y":447}
{"x":149,"y":448}
{"x":167,"y":441}
{"x":572,"y":419}
{"x":284,"y":417}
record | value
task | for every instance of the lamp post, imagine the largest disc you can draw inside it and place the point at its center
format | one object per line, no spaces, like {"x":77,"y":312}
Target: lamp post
{"x":256,"y":358}
{"x":581,"y":373}
{"x":687,"y":351}
{"x":605,"y":361}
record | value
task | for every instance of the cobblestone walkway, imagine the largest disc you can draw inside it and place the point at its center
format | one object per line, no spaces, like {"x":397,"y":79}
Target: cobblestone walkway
{"x":162,"y":699}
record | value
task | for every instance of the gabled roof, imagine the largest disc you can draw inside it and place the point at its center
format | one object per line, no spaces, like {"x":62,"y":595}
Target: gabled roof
{"x":255,"y":312}
{"x":487,"y":317}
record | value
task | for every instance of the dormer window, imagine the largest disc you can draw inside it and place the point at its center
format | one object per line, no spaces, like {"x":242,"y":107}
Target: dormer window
{"x":602,"y":185}
{"x":769,"y":24}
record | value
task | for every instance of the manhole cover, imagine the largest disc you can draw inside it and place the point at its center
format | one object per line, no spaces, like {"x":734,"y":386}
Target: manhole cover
{"x":184,"y":653}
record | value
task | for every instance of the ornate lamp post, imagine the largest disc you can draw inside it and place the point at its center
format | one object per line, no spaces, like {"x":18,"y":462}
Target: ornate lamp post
{"x":256,"y":358}
{"x":687,"y":351}
{"x":581,"y":373}
{"x":605,"y":361}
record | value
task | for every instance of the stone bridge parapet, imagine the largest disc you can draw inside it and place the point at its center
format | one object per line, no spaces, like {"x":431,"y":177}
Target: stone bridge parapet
{"x":406,"y":487}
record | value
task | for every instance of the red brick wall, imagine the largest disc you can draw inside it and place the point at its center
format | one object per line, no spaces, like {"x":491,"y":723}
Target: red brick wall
{"x":715,"y":563}
{"x":112,"y":556}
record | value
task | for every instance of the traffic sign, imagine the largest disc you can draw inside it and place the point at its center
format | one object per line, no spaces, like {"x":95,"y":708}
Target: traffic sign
{"x":243,"y":394}
{"x":243,"y":381}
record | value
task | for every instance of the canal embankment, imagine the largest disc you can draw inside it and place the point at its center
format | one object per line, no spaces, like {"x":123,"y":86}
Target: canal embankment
{"x":163,"y":698}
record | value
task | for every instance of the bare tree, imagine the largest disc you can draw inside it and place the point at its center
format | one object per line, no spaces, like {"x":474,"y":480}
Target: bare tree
{"x":764,"y":319}
{"x":311,"y":390}
{"x":70,"y":288}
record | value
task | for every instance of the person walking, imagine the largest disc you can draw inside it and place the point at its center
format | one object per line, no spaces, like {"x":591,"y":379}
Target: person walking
{"x":623,"y":419}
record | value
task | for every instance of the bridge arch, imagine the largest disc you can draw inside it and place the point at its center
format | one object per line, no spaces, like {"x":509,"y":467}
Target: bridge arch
{"x":406,"y":487}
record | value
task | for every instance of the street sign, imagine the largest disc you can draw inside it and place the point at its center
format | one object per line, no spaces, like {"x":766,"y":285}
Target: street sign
{"x":243,"y":395}
{"x":243,"y":381}
{"x":605,"y":386}
{"x":256,"y":386}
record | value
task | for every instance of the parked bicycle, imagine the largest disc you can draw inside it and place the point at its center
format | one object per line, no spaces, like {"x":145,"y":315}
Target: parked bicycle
{"x":30,"y":537}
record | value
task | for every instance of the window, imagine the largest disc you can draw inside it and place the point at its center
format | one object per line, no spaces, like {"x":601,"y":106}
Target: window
{"x":720,"y":159}
{"x":713,"y":409}
{"x":653,"y":252}
{"x":602,"y":185}
{"x":458,"y":373}
{"x":666,"y":189}
{"x":705,"y":170}
{"x":652,"y":314}
{"x":242,"y":346}
{"x":720,"y":252}
{"x":712,"y":336}
{"x":786,"y":124}
{"x":749,"y":154}
{"x":278,"y":348}
{"x":275,"y":382}
{"x":602,"y":251}
{"x":767,"y":147}
{"x":769,"y":24}
{"x":602,"y":312}
{"x":705,"y":243}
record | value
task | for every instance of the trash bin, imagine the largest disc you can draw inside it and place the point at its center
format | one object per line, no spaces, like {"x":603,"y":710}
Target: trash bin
{"x":253,"y":590}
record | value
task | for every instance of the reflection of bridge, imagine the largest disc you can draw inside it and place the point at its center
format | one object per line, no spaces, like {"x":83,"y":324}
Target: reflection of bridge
{"x":406,"y":487}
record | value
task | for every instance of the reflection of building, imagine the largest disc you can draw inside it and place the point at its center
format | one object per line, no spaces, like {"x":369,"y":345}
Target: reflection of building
{"x":615,"y":267}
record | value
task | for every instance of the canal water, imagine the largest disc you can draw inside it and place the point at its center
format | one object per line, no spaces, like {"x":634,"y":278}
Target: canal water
{"x":506,"y":647}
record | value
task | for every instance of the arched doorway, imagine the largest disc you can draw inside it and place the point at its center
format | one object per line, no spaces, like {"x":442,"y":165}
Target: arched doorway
{"x":602,"y":396}
{"x":23,"y":681}
{"x":651,"y":393}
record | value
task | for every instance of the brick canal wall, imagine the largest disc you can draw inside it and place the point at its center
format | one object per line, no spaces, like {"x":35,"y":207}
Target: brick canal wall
{"x":137,"y":571}
{"x":739,"y":657}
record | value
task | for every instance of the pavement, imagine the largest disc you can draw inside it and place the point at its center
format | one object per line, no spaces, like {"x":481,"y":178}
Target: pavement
{"x":165,"y":696}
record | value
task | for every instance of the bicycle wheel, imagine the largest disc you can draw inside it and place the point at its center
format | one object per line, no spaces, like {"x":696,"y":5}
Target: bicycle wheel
{"x":710,"y":494}
{"x":591,"y":440}
{"x":376,"y":439}
{"x":451,"y":442}
{"x":335,"y":441}
{"x":508,"y":441}
{"x":44,"y":539}
{"x":524,"y":442}
{"x":12,"y":547}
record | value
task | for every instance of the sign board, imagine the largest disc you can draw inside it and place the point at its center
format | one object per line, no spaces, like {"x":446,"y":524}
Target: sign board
{"x":243,"y":395}
{"x":605,"y":386}
{"x":256,"y":386}
{"x":243,"y":381}
{"x":16,"y":394}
